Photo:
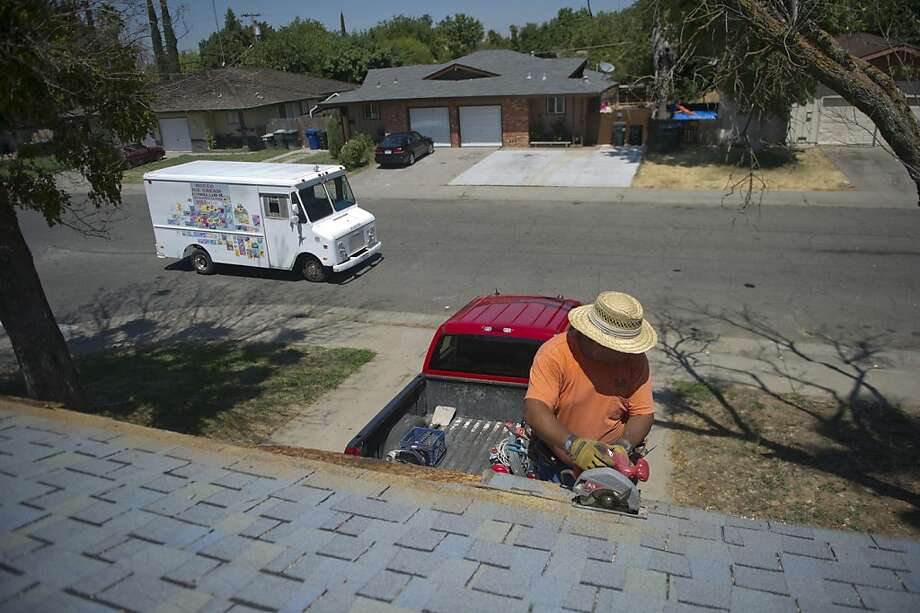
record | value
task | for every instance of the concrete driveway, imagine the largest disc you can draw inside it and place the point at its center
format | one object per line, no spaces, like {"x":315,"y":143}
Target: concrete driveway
{"x":581,"y":167}
{"x":430,"y":172}
{"x":871,"y":169}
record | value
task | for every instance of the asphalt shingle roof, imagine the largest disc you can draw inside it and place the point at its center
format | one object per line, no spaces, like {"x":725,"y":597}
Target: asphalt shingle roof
{"x":862,"y":44}
{"x":518,"y":74}
{"x":97,"y":516}
{"x":240,"y":88}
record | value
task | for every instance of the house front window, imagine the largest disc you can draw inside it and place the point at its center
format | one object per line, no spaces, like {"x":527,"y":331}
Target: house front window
{"x":555,"y":105}
{"x":371,"y":110}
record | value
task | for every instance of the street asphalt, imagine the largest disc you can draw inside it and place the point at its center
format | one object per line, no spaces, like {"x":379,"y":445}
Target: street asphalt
{"x":809,"y":273}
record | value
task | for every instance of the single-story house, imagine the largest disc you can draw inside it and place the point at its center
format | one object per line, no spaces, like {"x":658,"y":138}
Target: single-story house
{"x":488,"y":98}
{"x":830,"y":120}
{"x":233,"y":106}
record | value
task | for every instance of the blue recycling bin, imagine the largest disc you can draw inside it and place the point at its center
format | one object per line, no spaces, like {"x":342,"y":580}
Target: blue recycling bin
{"x":312,"y":135}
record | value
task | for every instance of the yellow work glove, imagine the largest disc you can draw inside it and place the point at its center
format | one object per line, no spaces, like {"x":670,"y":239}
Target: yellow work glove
{"x":588,"y":453}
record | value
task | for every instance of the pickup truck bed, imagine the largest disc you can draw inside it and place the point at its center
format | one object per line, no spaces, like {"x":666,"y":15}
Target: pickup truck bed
{"x":482,"y":409}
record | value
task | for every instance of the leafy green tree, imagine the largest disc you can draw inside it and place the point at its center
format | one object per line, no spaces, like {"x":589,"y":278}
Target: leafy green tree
{"x":334,"y":136}
{"x":350,"y":58}
{"x":189,"y":61}
{"x":407,"y":50}
{"x":494,"y":40}
{"x":79,"y":81}
{"x":456,"y":36}
{"x":232,"y":44}
{"x":420,"y":28}
{"x":301,"y":46}
{"x":621,"y":38}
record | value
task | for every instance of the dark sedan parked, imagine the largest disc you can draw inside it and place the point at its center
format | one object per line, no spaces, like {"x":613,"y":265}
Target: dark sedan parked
{"x":403,"y":148}
{"x":135,"y":155}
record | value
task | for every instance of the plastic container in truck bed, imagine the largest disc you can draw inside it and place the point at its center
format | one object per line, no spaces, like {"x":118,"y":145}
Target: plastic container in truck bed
{"x":478,"y":363}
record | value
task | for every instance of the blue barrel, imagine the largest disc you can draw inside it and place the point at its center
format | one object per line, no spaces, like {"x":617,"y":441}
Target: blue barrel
{"x":312,"y":135}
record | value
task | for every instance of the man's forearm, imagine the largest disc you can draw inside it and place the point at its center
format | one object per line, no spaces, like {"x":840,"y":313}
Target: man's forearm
{"x":540,"y":417}
{"x":637,"y":428}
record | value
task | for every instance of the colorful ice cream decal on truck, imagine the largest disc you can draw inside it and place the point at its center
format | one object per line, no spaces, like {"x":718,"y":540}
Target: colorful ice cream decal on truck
{"x":210,"y":208}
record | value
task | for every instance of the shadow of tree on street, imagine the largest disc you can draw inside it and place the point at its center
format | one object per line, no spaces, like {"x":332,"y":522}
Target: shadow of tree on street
{"x":859,"y":435}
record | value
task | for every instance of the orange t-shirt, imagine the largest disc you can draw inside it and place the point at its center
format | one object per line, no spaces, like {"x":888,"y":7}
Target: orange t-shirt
{"x":590,"y":398}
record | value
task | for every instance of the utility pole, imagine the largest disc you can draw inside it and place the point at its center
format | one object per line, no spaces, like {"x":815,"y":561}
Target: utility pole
{"x":256,"y":31}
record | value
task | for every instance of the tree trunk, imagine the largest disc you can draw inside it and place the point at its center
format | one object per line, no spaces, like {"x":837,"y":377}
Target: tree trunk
{"x":157,"y":42}
{"x":43,"y":357}
{"x":169,"y":36}
{"x":870,"y":90}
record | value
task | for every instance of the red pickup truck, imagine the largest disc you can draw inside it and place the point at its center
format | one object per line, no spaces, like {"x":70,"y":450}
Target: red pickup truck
{"x":478,"y":362}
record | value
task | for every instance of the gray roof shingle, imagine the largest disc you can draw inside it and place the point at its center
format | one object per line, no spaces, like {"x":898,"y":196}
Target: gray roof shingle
{"x":225,"y":89}
{"x":270,"y":542}
{"x":518,"y":74}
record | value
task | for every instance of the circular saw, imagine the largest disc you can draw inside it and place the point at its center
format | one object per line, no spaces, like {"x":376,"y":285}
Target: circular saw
{"x":606,"y":489}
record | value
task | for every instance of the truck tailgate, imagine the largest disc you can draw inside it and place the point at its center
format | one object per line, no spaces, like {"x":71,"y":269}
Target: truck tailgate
{"x":468,"y":442}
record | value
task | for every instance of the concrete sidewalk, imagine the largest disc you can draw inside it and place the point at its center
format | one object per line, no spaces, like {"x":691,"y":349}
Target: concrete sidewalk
{"x":101,"y":516}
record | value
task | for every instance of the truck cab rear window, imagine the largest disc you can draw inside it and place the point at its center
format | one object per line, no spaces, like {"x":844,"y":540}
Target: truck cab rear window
{"x":485,"y":355}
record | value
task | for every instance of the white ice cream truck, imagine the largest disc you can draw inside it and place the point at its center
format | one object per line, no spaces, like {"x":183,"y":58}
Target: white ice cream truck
{"x":289,"y":216}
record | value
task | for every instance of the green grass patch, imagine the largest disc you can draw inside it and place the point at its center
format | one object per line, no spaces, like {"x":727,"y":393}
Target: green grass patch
{"x":235,"y":392}
{"x":136,"y":174}
{"x":323,"y":157}
{"x":44,"y":163}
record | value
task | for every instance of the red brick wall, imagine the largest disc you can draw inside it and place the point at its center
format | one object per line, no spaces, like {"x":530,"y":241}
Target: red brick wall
{"x":515,"y":122}
{"x":395,"y":116}
{"x":515,"y":116}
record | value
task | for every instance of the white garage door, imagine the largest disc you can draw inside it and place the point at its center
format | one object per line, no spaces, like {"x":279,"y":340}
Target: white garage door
{"x":175,"y":135}
{"x":433,"y":122}
{"x":843,"y":124}
{"x":480,"y":126}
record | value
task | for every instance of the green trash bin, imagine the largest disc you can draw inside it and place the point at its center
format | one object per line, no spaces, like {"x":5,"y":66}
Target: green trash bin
{"x":619,"y":134}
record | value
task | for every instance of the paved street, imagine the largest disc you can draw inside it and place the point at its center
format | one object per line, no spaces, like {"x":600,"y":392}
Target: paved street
{"x":99,"y":516}
{"x":844,"y":273}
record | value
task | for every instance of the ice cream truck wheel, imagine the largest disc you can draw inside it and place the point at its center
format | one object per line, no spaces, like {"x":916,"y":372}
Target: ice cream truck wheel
{"x":200,"y":260}
{"x":312,"y":270}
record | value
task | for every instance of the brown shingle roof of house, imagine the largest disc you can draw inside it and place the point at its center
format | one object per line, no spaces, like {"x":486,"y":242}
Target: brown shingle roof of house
{"x":864,"y":44}
{"x":224,"y":89}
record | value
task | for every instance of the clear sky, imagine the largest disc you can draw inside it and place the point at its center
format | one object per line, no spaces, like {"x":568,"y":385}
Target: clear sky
{"x":196,"y":18}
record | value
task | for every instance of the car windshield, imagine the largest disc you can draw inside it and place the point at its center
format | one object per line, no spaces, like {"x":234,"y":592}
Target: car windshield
{"x":340,"y":193}
{"x":394,"y":140}
{"x":315,"y":202}
{"x":480,"y":354}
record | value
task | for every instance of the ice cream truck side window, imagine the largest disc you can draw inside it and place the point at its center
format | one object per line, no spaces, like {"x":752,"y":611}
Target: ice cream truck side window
{"x":275,"y":206}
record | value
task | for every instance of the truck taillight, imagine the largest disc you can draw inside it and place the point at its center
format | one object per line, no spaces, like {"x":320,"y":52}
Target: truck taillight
{"x":353,"y":451}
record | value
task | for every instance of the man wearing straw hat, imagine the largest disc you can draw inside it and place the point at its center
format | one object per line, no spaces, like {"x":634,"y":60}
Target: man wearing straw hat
{"x":590,"y":396}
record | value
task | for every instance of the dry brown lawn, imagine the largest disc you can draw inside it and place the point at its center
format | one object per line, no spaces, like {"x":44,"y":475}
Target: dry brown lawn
{"x":800,"y":460}
{"x":705,"y":168}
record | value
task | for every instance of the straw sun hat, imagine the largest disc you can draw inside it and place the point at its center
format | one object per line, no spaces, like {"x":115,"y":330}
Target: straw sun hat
{"x":615,"y":320}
